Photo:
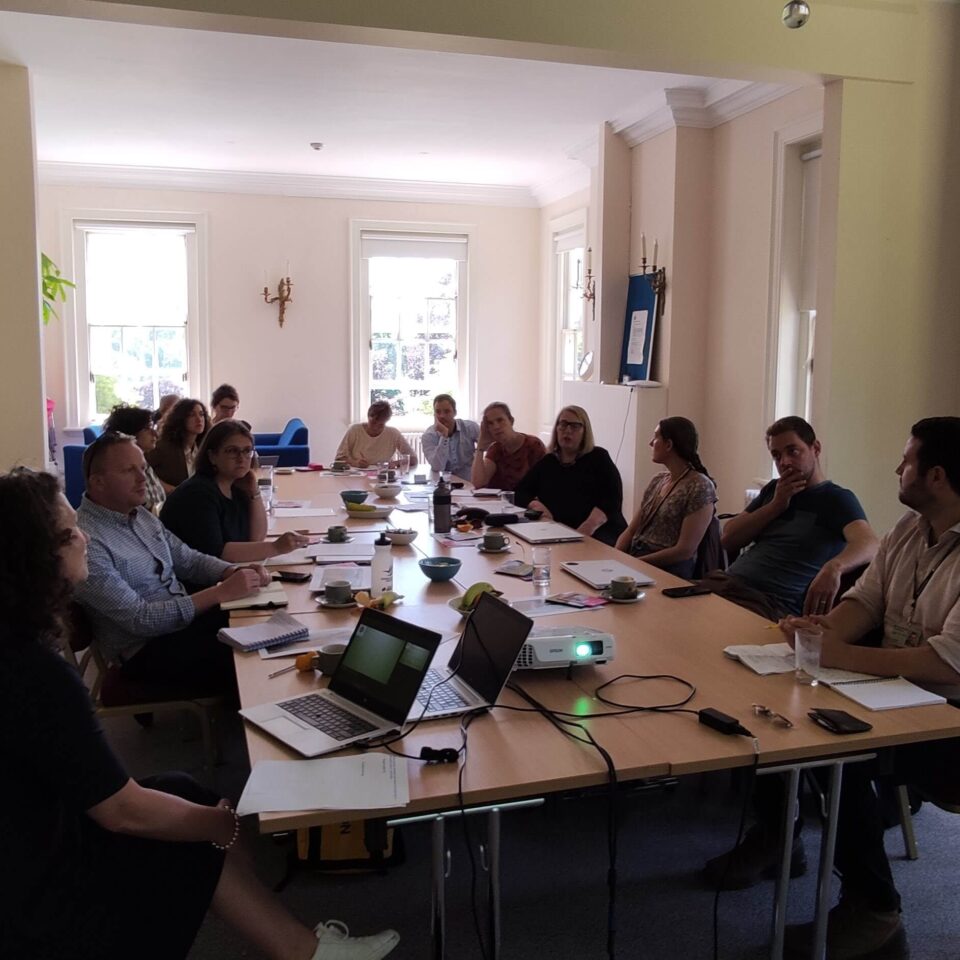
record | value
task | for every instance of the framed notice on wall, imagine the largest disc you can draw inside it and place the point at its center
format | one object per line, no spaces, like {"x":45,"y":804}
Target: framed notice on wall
{"x":636,"y":354}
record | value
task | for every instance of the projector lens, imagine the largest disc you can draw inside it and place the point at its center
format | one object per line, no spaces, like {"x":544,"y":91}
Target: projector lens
{"x":584,"y":649}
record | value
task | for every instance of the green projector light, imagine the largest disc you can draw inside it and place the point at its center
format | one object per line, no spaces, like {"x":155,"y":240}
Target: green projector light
{"x":583,"y":649}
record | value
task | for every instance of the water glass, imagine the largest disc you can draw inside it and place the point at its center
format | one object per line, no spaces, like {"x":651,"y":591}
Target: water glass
{"x":507,"y":498}
{"x":403,"y":464}
{"x":807,"y":643}
{"x":540,"y":559}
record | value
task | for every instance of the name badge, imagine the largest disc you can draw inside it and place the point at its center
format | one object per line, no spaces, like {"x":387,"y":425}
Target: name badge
{"x":903,"y":635}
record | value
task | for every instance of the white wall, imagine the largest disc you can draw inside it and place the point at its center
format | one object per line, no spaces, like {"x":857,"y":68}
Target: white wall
{"x":303,"y":370}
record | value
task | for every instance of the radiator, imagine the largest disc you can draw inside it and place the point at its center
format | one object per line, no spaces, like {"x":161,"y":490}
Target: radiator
{"x":415,"y":445}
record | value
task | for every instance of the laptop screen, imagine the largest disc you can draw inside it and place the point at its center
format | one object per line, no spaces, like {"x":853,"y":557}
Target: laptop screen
{"x":384,"y":664}
{"x":490,"y":645}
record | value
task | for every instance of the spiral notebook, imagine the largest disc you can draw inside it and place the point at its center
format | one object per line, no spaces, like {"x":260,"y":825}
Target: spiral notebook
{"x":281,"y":628}
{"x":886,"y":693}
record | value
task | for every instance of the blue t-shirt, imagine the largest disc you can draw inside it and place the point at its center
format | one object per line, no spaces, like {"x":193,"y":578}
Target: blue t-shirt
{"x":791,"y":549}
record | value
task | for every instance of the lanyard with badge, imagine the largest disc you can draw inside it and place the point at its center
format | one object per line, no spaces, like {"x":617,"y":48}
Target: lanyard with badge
{"x":911,"y":634}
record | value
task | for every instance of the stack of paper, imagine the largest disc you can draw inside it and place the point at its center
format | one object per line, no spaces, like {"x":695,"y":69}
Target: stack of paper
{"x":341,"y":552}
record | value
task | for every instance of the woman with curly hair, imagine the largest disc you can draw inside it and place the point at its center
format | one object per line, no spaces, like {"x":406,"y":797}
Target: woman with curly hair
{"x":97,"y":866}
{"x":175,"y":456}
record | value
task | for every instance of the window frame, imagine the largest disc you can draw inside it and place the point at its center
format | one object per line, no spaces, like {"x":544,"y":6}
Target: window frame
{"x":76,"y":342}
{"x":360,"y":320}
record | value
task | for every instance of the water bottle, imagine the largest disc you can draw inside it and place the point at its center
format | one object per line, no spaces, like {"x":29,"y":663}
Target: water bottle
{"x":441,"y":508}
{"x":381,"y":567}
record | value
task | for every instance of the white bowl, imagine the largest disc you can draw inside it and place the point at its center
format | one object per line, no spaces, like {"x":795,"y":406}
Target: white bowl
{"x":401,"y":538}
{"x":387,"y":490}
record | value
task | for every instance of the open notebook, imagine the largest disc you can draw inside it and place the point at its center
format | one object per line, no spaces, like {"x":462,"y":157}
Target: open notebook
{"x":886,"y":693}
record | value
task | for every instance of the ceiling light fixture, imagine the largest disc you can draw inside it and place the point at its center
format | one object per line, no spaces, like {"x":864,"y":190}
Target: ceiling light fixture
{"x":316,"y":145}
{"x":795,"y":14}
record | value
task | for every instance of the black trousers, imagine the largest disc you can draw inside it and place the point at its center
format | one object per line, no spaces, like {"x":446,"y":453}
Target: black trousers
{"x":860,"y":858}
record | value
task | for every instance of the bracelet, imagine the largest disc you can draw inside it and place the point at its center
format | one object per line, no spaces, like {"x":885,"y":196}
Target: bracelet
{"x":236,"y":831}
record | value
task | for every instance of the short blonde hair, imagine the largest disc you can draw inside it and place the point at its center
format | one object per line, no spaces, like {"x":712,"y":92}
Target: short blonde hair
{"x":586,"y":441}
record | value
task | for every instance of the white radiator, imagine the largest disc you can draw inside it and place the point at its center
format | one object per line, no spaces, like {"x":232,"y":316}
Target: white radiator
{"x":415,"y":445}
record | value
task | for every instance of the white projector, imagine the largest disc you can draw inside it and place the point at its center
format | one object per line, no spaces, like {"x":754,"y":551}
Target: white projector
{"x":567,"y":646}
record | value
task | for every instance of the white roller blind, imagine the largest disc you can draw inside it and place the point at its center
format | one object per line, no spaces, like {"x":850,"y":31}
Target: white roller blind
{"x":434,"y":245}
{"x":810,"y":231}
{"x":566,"y":240}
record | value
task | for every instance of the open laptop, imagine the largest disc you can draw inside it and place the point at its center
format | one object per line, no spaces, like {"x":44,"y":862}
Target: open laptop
{"x":545,"y":532}
{"x":370,"y":692}
{"x":479,"y":665}
{"x":599,"y":573}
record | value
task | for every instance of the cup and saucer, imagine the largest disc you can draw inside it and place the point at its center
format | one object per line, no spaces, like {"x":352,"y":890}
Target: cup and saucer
{"x":337,"y":595}
{"x":335,"y":604}
{"x":494,"y":543}
{"x":482,"y":549}
{"x":622,"y":590}
{"x":341,"y":540}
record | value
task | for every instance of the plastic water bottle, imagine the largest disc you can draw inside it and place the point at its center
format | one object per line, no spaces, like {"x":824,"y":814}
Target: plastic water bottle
{"x":441,"y":508}
{"x":381,"y":567}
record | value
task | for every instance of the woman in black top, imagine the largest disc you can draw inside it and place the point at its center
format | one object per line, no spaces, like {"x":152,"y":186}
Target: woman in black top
{"x":219,"y":510}
{"x":174,"y":457}
{"x":577,"y":483}
{"x":95,"y":865}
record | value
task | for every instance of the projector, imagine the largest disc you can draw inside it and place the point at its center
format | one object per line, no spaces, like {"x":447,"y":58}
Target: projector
{"x":563,"y":647}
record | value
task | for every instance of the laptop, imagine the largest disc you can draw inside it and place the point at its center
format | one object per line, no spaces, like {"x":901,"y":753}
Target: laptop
{"x":545,"y":532}
{"x":370,"y":692}
{"x":273,"y":461}
{"x":599,"y":573}
{"x":479,"y":665}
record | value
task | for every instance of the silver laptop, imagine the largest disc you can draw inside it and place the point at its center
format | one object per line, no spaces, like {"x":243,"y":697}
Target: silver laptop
{"x":370,"y":693}
{"x":545,"y":532}
{"x":599,"y":573}
{"x":479,"y":665}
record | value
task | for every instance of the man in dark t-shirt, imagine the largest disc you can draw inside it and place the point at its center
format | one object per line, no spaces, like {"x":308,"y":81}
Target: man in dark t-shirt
{"x":805,"y":531}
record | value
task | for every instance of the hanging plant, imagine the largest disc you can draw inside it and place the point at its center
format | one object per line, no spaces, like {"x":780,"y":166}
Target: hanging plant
{"x":54,"y":287}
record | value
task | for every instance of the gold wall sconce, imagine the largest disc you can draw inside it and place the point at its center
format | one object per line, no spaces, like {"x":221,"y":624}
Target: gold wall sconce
{"x":283,"y":296}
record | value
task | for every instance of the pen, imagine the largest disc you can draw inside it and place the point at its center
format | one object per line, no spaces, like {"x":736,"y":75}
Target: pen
{"x":276,"y":673}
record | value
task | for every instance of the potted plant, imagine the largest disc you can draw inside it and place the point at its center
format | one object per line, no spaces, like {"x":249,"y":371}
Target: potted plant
{"x":54,"y":287}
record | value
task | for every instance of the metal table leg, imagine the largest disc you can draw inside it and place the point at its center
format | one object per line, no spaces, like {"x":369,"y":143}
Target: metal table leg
{"x":824,"y":876}
{"x":440,"y":869}
{"x":787,"y":827}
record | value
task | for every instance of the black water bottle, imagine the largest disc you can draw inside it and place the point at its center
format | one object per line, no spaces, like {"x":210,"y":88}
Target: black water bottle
{"x":441,"y":508}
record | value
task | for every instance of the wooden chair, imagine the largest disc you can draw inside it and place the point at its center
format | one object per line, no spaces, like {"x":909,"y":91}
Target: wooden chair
{"x":115,"y":695}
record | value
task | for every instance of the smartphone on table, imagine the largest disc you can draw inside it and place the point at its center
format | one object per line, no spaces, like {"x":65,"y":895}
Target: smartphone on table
{"x":691,"y":590}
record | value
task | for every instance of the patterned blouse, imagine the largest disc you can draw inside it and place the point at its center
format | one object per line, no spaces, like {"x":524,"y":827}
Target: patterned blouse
{"x":662,"y":529}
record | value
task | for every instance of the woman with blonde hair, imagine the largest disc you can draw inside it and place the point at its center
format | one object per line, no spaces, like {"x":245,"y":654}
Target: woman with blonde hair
{"x":576,"y":483}
{"x":677,"y":505}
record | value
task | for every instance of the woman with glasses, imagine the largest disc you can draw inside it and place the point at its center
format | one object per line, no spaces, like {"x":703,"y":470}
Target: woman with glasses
{"x":576,"y":483}
{"x":175,"y":456}
{"x":137,"y":422}
{"x":96,"y":865}
{"x":678,"y":504}
{"x":219,"y":510}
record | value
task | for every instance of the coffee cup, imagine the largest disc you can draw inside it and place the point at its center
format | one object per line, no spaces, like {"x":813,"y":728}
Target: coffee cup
{"x":623,"y":588}
{"x":337,"y":534}
{"x":494,"y":540}
{"x":387,"y":476}
{"x":338,"y":591}
{"x":329,"y":656}
{"x":339,"y":465}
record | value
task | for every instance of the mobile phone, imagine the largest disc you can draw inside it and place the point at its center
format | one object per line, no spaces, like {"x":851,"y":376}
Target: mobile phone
{"x":292,"y":576}
{"x":694,"y":590}
{"x":839,"y":721}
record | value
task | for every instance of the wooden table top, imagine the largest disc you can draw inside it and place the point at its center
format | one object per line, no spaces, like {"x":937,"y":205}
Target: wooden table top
{"x":515,"y":754}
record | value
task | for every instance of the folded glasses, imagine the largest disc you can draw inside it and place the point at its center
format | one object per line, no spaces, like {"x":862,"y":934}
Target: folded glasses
{"x":760,"y":710}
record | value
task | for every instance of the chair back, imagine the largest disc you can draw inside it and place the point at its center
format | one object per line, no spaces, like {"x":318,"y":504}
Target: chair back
{"x":710,"y":555}
{"x":91,"y":433}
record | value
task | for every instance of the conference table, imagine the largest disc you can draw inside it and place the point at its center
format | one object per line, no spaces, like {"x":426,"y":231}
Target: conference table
{"x":517,"y":756}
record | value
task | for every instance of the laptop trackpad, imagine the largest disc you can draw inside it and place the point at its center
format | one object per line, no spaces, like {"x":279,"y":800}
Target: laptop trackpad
{"x":284,"y":727}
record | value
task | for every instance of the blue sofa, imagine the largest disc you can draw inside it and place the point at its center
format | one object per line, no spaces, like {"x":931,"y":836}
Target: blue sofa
{"x":291,"y":445}
{"x":73,"y":485}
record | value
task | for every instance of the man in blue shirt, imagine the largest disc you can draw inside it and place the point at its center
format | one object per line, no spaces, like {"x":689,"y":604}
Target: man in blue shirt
{"x":143,"y":617}
{"x":805,"y":531}
{"x":449,"y":445}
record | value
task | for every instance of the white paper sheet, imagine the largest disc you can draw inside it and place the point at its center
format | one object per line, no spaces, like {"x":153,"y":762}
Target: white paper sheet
{"x":341,"y":551}
{"x":282,"y":512}
{"x":769,"y":658}
{"x":294,"y":556}
{"x":370,"y":781}
{"x":537,"y":607}
{"x":636,"y":347}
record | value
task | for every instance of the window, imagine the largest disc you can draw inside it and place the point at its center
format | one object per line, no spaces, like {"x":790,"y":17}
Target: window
{"x":568,"y":250}
{"x":410,"y":331}
{"x":136,"y":310}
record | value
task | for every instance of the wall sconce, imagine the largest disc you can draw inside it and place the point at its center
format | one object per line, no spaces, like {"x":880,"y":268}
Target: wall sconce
{"x":590,"y":283}
{"x":283,"y":296}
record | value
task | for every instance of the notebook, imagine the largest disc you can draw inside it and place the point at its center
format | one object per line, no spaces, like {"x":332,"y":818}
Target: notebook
{"x":886,"y":693}
{"x":545,"y":532}
{"x":272,"y":595}
{"x":370,"y":692}
{"x":599,"y":573}
{"x":479,"y":665}
{"x":280,"y":629}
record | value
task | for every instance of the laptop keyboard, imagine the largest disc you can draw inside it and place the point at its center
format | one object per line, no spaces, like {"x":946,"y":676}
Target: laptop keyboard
{"x":327,"y":717}
{"x":443,"y":697}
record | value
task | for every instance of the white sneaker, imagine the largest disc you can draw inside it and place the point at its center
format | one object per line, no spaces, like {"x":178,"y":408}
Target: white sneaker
{"x":335,"y":943}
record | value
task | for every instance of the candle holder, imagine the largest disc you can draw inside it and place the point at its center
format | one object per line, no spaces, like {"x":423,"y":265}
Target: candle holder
{"x":283,"y":297}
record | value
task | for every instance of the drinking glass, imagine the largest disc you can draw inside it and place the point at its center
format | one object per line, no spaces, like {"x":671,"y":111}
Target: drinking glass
{"x":807,"y":642}
{"x":540,"y":559}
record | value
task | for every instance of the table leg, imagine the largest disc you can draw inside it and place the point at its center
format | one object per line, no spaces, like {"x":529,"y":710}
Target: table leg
{"x":493,"y":879}
{"x":783,"y":877}
{"x":825,"y":875}
{"x":440,"y":863}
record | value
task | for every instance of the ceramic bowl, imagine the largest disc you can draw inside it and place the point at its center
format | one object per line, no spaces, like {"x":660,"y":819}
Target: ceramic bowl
{"x":354,"y":496}
{"x":440,"y":569}
{"x":401,"y":538}
{"x":387,"y":490}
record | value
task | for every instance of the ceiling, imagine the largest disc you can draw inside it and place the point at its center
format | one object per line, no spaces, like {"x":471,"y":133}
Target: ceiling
{"x":137,"y":96}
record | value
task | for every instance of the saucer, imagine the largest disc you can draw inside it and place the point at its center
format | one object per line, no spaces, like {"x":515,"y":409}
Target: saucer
{"x":504,"y":549}
{"x":606,"y":596}
{"x":344,"y":540}
{"x":321,"y":602}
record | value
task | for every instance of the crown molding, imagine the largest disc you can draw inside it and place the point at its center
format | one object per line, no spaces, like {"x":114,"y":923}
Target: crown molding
{"x":552,"y":190}
{"x":280,"y":184}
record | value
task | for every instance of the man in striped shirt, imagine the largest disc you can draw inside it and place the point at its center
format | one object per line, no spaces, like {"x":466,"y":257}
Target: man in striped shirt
{"x":143,"y":617}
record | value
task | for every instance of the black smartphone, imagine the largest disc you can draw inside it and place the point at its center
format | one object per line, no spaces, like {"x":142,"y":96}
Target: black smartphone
{"x":839,"y":721}
{"x":694,"y":590}
{"x":292,"y":576}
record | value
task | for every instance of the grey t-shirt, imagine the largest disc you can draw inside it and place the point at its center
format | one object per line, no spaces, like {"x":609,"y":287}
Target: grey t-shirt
{"x":791,"y":549}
